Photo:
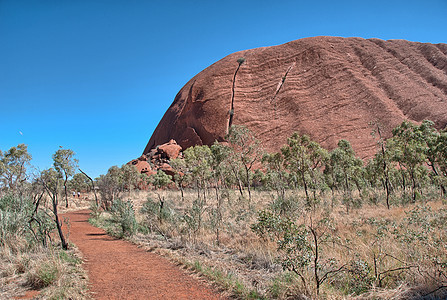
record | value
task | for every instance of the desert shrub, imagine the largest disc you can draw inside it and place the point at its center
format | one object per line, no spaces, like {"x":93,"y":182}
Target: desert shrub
{"x":287,"y":206}
{"x":43,"y":275}
{"x":95,"y":210}
{"x":159,"y":217}
{"x":123,"y":215}
{"x":287,"y":285}
{"x":156,"y":211}
{"x":193,"y":218}
{"x":359,"y":277}
{"x":14,"y":216}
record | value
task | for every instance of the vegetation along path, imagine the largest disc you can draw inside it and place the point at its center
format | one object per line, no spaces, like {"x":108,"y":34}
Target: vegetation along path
{"x":120,"y":270}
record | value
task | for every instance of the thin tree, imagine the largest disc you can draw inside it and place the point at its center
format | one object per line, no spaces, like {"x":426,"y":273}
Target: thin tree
{"x":247,"y":150}
{"x":50,"y":181}
{"x":65,"y":164}
{"x":13,"y":164}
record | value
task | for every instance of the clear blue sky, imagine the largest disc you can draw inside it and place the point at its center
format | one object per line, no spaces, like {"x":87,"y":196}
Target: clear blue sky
{"x":96,"y":76}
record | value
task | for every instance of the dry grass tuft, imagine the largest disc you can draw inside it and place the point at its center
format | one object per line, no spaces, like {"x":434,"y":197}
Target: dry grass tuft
{"x":54,"y":273}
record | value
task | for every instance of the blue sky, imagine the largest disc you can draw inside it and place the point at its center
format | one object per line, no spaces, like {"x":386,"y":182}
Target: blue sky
{"x":96,"y":76}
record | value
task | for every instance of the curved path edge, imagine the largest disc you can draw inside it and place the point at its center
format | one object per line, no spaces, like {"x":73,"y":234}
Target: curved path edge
{"x":118,"y":269}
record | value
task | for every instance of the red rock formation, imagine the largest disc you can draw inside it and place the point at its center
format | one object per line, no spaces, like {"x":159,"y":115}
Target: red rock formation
{"x":330,"y":88}
{"x":142,"y":165}
{"x":159,"y":158}
{"x":169,"y":150}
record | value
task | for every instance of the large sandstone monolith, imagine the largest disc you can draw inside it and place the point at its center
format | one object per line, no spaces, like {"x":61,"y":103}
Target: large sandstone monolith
{"x":330,"y":88}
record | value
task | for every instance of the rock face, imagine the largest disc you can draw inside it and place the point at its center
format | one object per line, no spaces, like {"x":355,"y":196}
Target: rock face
{"x":142,"y":165}
{"x":158,"y":159}
{"x":330,"y":88}
{"x":169,"y":150}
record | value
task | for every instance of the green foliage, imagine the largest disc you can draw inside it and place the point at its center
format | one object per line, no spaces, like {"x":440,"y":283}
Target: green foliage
{"x":241,"y":60}
{"x":79,"y":182}
{"x":304,"y":159}
{"x":65,"y":165}
{"x":160,"y":179}
{"x":345,"y":171}
{"x":13,"y":164}
{"x":287,"y":206}
{"x":123,"y":214}
{"x":64,"y":162}
{"x":14,"y":216}
{"x":129,"y":176}
{"x":46,"y":274}
{"x":359,"y":277}
{"x":155,"y":212}
{"x":409,"y":151}
{"x":246,"y":152}
{"x":193,"y":218}
{"x":302,"y":246}
{"x":275,"y":174}
{"x":116,"y":181}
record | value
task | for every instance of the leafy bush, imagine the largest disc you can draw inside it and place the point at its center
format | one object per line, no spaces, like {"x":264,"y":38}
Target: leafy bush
{"x":44,"y":275}
{"x":156,"y":211}
{"x":123,"y":214}
{"x":14,"y":216}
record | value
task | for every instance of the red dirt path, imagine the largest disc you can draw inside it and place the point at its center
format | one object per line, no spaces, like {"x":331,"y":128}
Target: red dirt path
{"x":120,"y":270}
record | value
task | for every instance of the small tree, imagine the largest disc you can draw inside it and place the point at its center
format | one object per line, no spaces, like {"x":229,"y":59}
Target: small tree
{"x":276,"y":176}
{"x":160,"y":180}
{"x":302,"y":245}
{"x":305,"y":158}
{"x":50,"y":181}
{"x":79,"y":182}
{"x":247,"y":151}
{"x":409,"y":150}
{"x":343,"y":167}
{"x":434,"y":151}
{"x":130,"y":176}
{"x":382,"y":159}
{"x":65,"y":164}
{"x":182,"y":177}
{"x":198,"y":160}
{"x":13,"y":164}
{"x":110,"y":185}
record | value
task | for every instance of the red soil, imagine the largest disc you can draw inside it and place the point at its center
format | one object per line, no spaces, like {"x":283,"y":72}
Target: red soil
{"x":120,"y":270}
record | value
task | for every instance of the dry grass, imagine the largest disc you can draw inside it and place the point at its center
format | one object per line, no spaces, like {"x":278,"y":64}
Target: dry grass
{"x":30,"y":270}
{"x":247,"y":266}
{"x":51,"y":273}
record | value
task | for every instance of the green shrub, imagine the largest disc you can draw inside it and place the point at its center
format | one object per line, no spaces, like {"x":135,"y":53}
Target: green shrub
{"x":44,"y":275}
{"x":14,"y":216}
{"x":123,"y":214}
{"x":156,"y":211}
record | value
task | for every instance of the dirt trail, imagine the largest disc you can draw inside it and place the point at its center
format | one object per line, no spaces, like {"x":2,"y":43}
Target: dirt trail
{"x":120,"y":270}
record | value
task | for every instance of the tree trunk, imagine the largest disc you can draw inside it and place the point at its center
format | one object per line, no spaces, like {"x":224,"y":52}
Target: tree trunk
{"x":305,"y":188}
{"x":65,"y":191}
{"x":247,"y":173}
{"x":316,"y":277}
{"x":413,"y":186}
{"x":58,"y":225}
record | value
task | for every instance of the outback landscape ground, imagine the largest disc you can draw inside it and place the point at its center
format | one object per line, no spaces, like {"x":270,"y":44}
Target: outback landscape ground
{"x":316,"y":169}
